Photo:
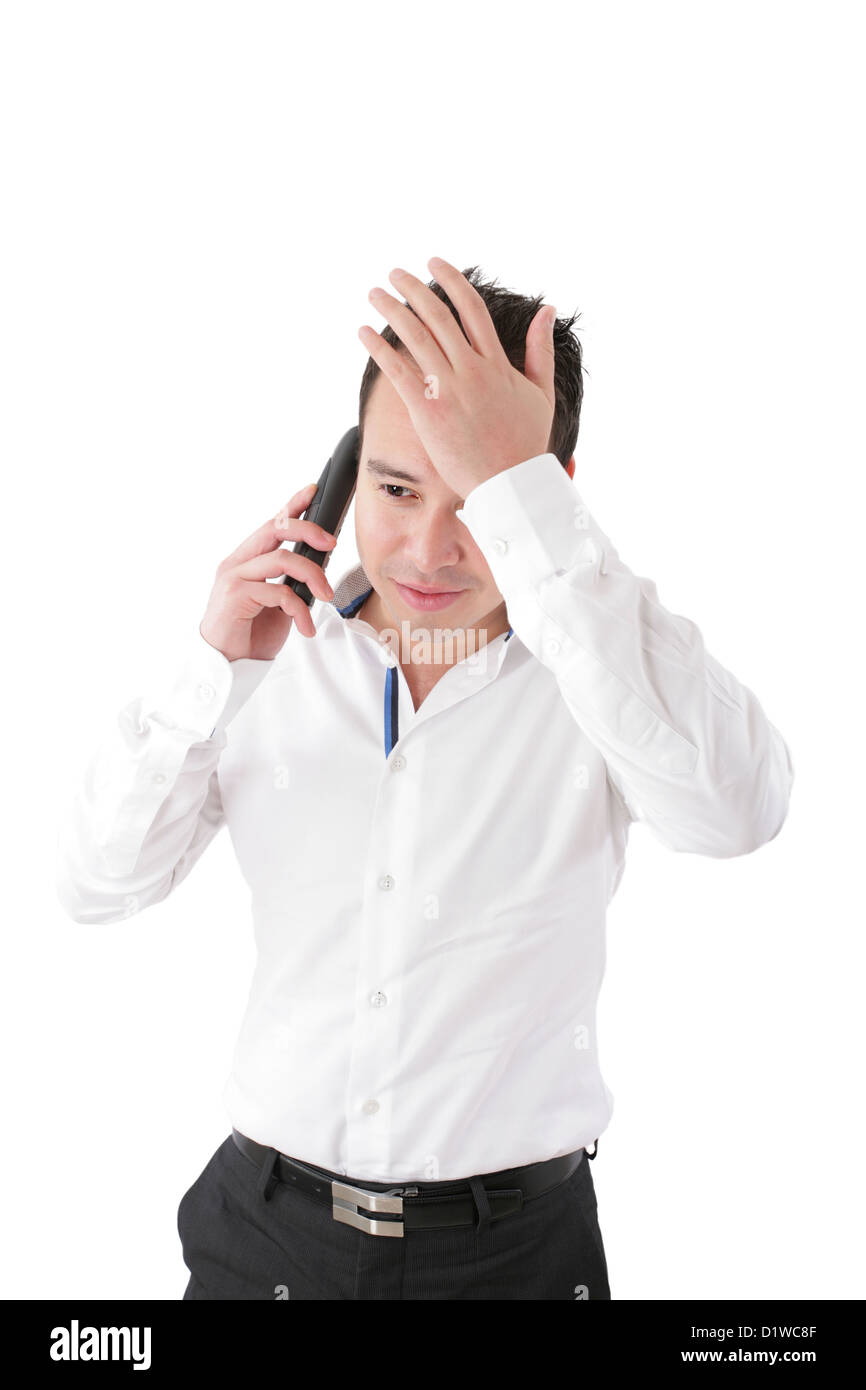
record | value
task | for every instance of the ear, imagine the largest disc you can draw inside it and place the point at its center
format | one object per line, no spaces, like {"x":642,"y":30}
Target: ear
{"x":569,"y":467}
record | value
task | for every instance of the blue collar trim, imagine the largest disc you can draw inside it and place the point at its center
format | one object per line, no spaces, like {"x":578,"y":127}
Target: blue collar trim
{"x":392,"y":679}
{"x":355,"y":604}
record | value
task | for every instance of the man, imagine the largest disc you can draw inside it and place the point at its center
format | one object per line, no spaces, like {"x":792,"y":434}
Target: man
{"x":416,"y":1082}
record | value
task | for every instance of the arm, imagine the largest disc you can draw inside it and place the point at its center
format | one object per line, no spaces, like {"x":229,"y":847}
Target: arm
{"x":688,"y":748}
{"x":149,"y":803}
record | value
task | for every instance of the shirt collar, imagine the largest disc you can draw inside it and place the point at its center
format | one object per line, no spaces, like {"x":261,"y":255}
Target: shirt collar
{"x":464,"y":680}
{"x":351,"y":591}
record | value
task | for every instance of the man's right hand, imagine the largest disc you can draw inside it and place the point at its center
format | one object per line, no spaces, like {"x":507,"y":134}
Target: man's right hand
{"x":246,"y":617}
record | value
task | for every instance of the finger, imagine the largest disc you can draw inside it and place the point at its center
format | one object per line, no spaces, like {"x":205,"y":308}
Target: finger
{"x":309,"y":531}
{"x":263,"y":595}
{"x":295,"y":608}
{"x":297,"y":505}
{"x":402,"y":373}
{"x":267,"y":595}
{"x":474,"y":314}
{"x":433,"y":343}
{"x":280,"y":562}
{"x":539,"y":361}
{"x":273,"y":531}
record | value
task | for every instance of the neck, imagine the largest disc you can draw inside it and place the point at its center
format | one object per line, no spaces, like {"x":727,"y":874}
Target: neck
{"x":493,"y":624}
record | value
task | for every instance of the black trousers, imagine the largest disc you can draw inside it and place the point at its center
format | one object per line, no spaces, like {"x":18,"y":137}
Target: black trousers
{"x":236,"y":1245}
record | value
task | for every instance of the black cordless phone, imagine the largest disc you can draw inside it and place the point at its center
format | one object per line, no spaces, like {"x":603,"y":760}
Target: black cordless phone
{"x":330,"y":503}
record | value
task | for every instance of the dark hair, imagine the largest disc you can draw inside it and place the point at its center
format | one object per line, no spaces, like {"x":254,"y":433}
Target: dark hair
{"x":512,"y":314}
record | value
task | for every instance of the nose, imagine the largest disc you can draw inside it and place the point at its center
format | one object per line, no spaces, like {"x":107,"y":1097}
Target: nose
{"x":435,"y":542}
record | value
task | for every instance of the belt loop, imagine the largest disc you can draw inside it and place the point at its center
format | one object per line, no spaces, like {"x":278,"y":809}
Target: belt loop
{"x":592,"y":1155}
{"x":269,"y":1177}
{"x":482,"y":1203}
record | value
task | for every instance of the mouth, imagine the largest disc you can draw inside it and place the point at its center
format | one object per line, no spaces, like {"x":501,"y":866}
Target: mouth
{"x":427,"y":600}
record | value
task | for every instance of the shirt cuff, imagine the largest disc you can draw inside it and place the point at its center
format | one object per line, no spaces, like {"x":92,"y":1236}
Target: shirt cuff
{"x":530,"y":523}
{"x":208,"y":690}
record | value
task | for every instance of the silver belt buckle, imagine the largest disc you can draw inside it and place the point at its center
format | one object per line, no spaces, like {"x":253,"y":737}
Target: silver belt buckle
{"x":347,"y":1199}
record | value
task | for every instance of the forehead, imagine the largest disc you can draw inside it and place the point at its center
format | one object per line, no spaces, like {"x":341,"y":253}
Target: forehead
{"x":392,"y":448}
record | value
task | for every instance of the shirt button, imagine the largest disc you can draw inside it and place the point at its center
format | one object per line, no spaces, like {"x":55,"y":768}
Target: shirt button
{"x":386,"y":882}
{"x":205,"y":692}
{"x":370,"y":1107}
{"x":398,"y":762}
{"x":499,"y":545}
{"x":158,"y":777}
{"x":378,"y":1000}
{"x":551,"y":646}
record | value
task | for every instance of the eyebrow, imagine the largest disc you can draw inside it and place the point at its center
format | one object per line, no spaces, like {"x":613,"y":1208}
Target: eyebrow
{"x":386,"y":471}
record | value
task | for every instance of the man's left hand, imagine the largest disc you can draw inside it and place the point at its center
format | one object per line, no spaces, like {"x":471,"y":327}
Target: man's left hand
{"x":474,"y":413}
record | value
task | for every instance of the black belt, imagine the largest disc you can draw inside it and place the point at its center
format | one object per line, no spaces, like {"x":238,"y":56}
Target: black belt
{"x":416,"y":1205}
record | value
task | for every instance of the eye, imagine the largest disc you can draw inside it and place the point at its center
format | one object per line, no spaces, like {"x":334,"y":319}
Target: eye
{"x":383,"y":488}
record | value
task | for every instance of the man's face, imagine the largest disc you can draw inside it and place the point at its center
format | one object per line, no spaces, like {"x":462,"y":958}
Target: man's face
{"x":408,"y":533}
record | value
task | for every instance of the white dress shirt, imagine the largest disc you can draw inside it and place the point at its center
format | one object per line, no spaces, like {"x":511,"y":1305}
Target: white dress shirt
{"x":429,"y":887}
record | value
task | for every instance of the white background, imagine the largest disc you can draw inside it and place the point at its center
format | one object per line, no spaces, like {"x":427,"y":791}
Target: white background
{"x":198,"y":198}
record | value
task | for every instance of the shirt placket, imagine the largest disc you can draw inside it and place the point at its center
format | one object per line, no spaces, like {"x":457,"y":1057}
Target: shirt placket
{"x":394,"y":898}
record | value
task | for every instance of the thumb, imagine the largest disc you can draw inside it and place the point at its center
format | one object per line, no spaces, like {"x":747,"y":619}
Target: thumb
{"x":540,"y":357}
